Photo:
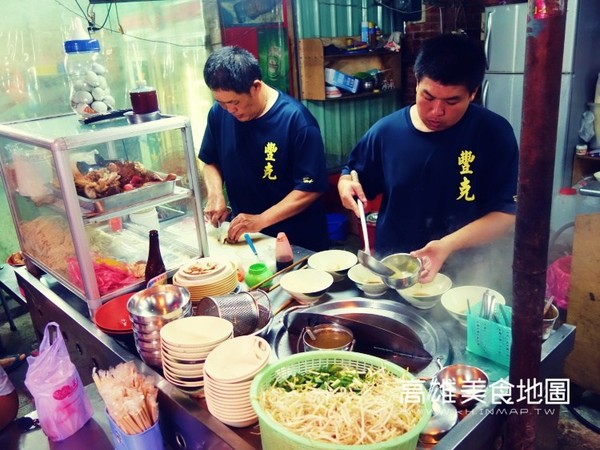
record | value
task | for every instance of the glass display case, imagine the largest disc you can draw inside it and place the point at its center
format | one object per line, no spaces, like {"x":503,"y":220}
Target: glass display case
{"x":83,"y":198}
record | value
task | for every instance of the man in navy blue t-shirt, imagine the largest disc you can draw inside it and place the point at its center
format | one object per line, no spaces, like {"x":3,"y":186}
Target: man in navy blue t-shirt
{"x":266,"y":149}
{"x":446,"y":168}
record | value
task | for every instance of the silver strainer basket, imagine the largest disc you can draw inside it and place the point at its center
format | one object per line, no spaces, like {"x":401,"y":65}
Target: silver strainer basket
{"x":242,"y":309}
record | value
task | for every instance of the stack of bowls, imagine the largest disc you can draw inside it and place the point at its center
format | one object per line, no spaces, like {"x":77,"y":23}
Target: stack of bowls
{"x":186,"y":343}
{"x":150,"y":310}
{"x":113,"y":319}
{"x":228,"y":373}
{"x":207,"y":276}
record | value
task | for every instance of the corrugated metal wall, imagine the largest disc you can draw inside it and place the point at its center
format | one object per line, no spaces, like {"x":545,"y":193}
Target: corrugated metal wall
{"x":343,"y":122}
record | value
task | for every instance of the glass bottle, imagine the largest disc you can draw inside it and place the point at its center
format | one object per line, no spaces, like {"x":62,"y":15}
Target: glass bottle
{"x":156,"y":272}
{"x":283,"y":252}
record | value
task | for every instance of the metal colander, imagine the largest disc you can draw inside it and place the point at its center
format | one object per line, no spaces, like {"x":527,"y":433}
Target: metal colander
{"x":242,"y":309}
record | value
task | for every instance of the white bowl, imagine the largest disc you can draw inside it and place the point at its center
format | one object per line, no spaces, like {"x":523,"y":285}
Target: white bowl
{"x":367,"y":281}
{"x":428,"y":295}
{"x":306,"y":285}
{"x":597,"y":175}
{"x":336,"y":262}
{"x":237,"y":359}
{"x":455,"y":300}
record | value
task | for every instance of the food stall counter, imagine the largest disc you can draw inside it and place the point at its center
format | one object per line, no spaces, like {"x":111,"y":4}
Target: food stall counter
{"x":186,"y":422}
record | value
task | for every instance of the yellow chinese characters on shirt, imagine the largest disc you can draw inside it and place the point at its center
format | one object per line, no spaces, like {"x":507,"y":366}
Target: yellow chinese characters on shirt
{"x":465,"y":160}
{"x":270,"y":150}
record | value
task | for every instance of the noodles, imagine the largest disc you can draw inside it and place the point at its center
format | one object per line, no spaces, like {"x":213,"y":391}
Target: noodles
{"x":381,"y":410}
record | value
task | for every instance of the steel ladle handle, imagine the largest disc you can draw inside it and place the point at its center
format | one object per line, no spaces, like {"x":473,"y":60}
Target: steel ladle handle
{"x":363,"y":221}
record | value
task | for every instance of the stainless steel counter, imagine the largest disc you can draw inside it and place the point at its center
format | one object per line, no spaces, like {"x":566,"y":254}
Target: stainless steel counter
{"x":186,"y":422}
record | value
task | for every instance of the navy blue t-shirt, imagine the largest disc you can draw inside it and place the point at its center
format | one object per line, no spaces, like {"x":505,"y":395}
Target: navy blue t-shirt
{"x":435,"y":183}
{"x":263,"y":160}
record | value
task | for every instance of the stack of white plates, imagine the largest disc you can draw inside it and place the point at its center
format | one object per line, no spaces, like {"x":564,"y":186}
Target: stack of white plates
{"x":207,"y":276}
{"x":228,"y":373}
{"x":185,"y":344}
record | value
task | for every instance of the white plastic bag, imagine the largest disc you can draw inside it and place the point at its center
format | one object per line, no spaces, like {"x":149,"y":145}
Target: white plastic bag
{"x":61,"y":402}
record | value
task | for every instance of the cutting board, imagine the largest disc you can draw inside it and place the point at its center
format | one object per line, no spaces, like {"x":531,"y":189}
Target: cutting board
{"x":583,"y":364}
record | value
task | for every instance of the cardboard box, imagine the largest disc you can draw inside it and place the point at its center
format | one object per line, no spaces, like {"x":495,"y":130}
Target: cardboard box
{"x":341,"y":80}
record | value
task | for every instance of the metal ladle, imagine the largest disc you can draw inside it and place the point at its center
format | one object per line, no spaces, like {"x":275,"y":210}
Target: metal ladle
{"x":365,"y":257}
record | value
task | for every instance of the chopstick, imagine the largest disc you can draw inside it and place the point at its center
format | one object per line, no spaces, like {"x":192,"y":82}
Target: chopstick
{"x":276,"y":274}
{"x":283,"y":306}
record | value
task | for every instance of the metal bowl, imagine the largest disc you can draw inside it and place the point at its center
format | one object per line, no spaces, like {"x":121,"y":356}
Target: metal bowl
{"x":406,"y":270}
{"x":464,"y":383}
{"x":163,"y":300}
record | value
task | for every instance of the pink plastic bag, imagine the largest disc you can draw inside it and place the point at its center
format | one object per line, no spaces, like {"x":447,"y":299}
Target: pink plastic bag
{"x":558,"y":281}
{"x":61,"y":402}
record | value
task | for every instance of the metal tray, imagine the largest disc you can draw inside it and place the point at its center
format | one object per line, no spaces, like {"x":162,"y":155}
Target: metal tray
{"x":433,"y":338}
{"x":148,"y":191}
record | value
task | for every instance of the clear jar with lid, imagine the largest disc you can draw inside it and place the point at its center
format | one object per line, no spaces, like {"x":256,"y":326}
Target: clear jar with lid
{"x":90,"y":94}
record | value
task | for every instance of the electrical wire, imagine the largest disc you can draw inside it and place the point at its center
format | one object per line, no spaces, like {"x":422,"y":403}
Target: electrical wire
{"x":84,"y":16}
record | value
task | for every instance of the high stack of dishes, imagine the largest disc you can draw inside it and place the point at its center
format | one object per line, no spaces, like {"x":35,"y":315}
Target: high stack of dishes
{"x":207,"y":276}
{"x":150,"y":310}
{"x":185,"y":346}
{"x":228,"y":373}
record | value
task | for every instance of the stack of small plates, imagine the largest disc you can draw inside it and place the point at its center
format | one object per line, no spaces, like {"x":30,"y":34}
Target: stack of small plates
{"x":228,"y":373}
{"x":207,"y":276}
{"x":186,"y":343}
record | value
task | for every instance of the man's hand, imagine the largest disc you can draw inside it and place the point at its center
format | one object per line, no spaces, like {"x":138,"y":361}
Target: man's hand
{"x":216,"y":210}
{"x":244,"y":223}
{"x":348,"y":190}
{"x":432,"y":256}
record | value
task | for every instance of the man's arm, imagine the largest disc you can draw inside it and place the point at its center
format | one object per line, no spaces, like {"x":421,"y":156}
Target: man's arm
{"x":481,"y":231}
{"x":216,"y":206}
{"x":293,"y":203}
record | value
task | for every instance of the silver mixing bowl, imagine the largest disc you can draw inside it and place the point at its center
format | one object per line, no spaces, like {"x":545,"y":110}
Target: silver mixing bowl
{"x":162,"y":300}
{"x":406,"y":270}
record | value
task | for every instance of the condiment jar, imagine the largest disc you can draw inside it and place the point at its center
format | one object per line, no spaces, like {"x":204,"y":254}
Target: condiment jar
{"x":256,"y":273}
{"x":143,"y":99}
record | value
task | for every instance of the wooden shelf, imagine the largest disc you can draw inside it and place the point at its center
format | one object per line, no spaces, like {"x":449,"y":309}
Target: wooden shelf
{"x":584,"y":165}
{"x":313,"y":61}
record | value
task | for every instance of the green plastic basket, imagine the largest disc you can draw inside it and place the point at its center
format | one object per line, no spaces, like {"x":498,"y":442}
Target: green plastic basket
{"x":276,"y":437}
{"x":491,"y":339}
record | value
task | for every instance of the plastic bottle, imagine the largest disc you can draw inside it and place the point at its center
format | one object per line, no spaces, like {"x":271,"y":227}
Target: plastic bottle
{"x":258,"y":272}
{"x":283,"y":252}
{"x":90,"y":94}
{"x":156,"y":272}
{"x":364,"y":32}
{"x":564,"y":209}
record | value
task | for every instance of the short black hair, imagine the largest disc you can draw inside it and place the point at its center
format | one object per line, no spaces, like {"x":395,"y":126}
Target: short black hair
{"x":231,"y":68}
{"x":452,"y":59}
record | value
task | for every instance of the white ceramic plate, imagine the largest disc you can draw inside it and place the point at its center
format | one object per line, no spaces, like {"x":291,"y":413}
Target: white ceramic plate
{"x":196,"y":331}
